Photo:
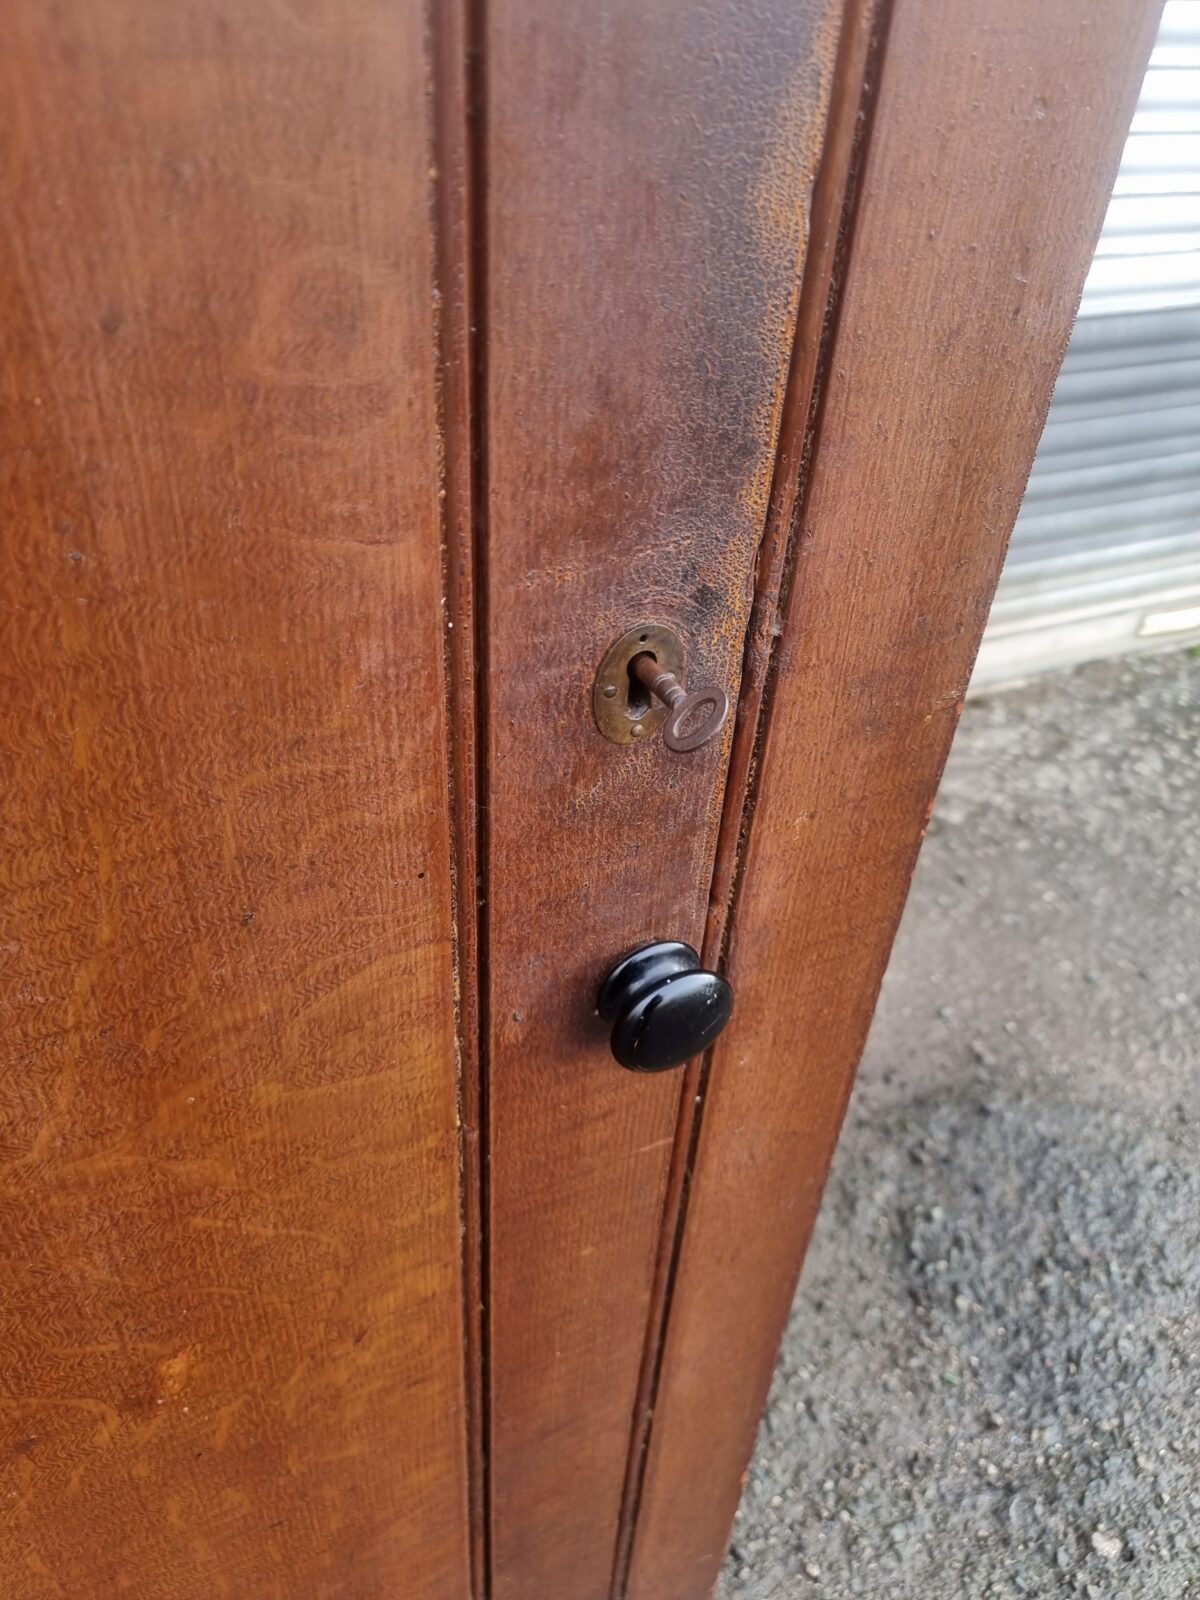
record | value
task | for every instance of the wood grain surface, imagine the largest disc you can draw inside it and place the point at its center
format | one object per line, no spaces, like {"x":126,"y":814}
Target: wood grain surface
{"x":337,"y":341}
{"x":648,"y":176}
{"x":230,"y":1297}
{"x":996,"y":137}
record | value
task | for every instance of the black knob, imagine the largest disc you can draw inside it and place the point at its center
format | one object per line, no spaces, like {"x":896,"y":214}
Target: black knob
{"x":664,"y":1009}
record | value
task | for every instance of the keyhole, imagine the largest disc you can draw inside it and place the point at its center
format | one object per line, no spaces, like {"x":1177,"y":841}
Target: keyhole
{"x":637,"y":698}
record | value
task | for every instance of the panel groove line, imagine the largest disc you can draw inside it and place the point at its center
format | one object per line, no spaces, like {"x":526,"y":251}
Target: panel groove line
{"x":455,"y":166}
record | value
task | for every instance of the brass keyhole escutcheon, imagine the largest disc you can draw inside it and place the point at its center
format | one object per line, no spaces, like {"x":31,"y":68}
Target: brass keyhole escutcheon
{"x":638,"y":690}
{"x":624,"y":709}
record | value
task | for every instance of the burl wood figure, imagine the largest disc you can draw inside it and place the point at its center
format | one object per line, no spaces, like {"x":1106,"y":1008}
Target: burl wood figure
{"x":488,"y":486}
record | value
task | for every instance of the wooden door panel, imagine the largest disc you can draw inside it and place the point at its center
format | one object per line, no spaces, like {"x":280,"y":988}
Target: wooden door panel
{"x":368,"y":368}
{"x":230,"y":1332}
{"x":648,"y":173}
{"x":991,"y":154}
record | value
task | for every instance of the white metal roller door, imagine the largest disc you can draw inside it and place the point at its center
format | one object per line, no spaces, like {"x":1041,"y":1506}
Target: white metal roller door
{"x":1105,"y":556}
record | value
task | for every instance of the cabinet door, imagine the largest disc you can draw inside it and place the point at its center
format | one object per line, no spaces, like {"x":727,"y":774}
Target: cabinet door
{"x":230,"y":1293}
{"x":370,"y":367}
{"x":772,"y":301}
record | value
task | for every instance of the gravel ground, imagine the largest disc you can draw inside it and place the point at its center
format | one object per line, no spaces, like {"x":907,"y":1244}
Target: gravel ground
{"x":989,"y":1384}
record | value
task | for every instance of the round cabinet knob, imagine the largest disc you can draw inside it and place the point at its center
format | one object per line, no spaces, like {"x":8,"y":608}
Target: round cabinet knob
{"x":663,"y":1007}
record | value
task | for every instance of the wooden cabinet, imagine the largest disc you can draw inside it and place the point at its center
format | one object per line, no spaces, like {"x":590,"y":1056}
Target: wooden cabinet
{"x":369,"y":368}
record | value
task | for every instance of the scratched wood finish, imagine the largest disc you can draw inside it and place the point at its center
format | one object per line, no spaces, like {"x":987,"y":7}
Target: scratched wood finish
{"x":230,"y":1299}
{"x":995,"y":141}
{"x":648,"y":174}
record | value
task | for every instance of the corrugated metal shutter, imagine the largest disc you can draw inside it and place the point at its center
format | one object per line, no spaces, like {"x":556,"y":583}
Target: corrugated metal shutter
{"x":1106,"y":552}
